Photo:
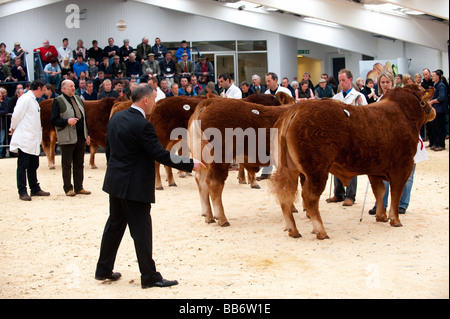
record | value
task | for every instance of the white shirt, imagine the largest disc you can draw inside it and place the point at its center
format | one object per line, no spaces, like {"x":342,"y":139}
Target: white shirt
{"x":233,"y":92}
{"x":280,"y":89}
{"x":351,"y":97}
{"x":26,"y":123}
{"x":64,"y":52}
{"x":159,"y":94}
{"x":139,"y":109}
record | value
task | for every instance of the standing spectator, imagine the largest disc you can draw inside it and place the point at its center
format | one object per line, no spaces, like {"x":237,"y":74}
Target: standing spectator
{"x":20,"y":53}
{"x":52,"y":73}
{"x":89,"y":94}
{"x":26,"y":140}
{"x":47,"y":52}
{"x":4,"y":109}
{"x":111,"y":50}
{"x":143,"y":50}
{"x":256,"y":84}
{"x":440,"y":104}
{"x":348,"y":95}
{"x":427,"y":129}
{"x":168,"y":67}
{"x":159,"y":50}
{"x":69,"y":118}
{"x":133,"y":67}
{"x":204,"y":70}
{"x":323,"y":89}
{"x":65,"y":52}
{"x":18,"y":71}
{"x":150,"y":67}
{"x":246,"y":89}
{"x":229,"y":89}
{"x":181,"y":50}
{"x":80,"y":49}
{"x":80,"y":67}
{"x":95,"y":52}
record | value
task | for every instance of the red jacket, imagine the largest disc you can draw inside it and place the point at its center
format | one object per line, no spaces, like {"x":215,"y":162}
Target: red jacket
{"x":43,"y":52}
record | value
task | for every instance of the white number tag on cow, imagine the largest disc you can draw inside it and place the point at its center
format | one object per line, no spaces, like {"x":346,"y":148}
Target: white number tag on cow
{"x":347,"y":112}
{"x":255,"y":112}
{"x":186,"y":107}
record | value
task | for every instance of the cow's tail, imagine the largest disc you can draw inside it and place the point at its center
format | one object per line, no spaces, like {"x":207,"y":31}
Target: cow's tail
{"x":284,"y":182}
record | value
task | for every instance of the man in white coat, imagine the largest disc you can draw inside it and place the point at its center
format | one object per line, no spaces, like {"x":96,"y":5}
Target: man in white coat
{"x":229,"y":89}
{"x":26,"y":140}
{"x":348,"y":95}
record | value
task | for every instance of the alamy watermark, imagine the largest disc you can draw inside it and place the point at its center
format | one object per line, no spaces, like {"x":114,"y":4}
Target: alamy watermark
{"x":73,"y":19}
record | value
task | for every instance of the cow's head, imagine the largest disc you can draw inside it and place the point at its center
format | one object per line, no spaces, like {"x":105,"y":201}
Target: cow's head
{"x":424,"y":98}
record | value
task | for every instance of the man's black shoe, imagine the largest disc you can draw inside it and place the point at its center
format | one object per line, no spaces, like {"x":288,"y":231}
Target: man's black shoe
{"x":162,"y":283}
{"x":113,"y":276}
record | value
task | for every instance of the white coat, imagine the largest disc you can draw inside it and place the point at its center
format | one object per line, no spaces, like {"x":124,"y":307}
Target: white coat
{"x":351,"y":97}
{"x":280,"y":89}
{"x":233,"y":92}
{"x":26,"y":123}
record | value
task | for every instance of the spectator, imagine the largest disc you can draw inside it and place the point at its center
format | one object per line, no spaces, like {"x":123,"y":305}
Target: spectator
{"x":13,"y":101}
{"x":80,"y":49}
{"x":159,"y":93}
{"x":183,"y":83}
{"x":369,"y":91}
{"x":47,"y":52}
{"x":427,"y":129}
{"x":81,"y":87}
{"x":307,"y":77}
{"x":4,"y":109}
{"x":66,"y":67}
{"x":185,"y":67}
{"x":285,"y":83}
{"x":323,"y":89}
{"x":133,"y":67}
{"x":18,"y":72}
{"x":440,"y":105}
{"x":359,"y":84}
{"x":168,"y":67}
{"x":159,"y":50}
{"x":348,"y":95}
{"x":143,"y":50}
{"x":418,"y":78}
{"x":111,"y":50}
{"x":256,"y":84}
{"x":209,"y":88}
{"x":5,"y":56}
{"x":48,"y":93}
{"x":5,"y":73}
{"x":407,"y":79}
{"x":118,"y":87}
{"x":96,"y":53}
{"x":174,"y":90}
{"x":117,"y":65}
{"x":183,"y":49}
{"x":64,"y":51}
{"x":106,"y":68}
{"x":108,"y":90}
{"x":130,"y":88}
{"x":26,"y":140}
{"x":197,"y":87}
{"x":80,"y":67}
{"x":189,"y":91}
{"x":229,"y":89}
{"x":69,"y":118}
{"x":20,"y":53}
{"x":246,"y":89}
{"x":204,"y":70}
{"x":89,"y":94}
{"x":125,"y":50}
{"x":272,"y":85}
{"x":98,"y":81}
{"x":150,"y":67}
{"x":304,"y":92}
{"x":399,"y":80}
{"x":334,"y":85}
{"x":52,"y":73}
{"x":93,"y":69}
{"x":164,"y":86}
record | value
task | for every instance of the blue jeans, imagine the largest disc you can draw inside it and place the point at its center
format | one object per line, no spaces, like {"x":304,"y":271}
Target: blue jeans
{"x":267,"y":170}
{"x":406,"y":194}
{"x":2,"y":139}
{"x":53,"y":80}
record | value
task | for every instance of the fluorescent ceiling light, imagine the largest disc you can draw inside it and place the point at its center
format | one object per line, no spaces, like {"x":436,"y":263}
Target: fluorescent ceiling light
{"x":392,"y":9}
{"x":322,"y":22}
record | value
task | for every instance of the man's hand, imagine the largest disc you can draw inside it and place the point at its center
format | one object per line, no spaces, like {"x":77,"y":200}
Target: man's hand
{"x":72,"y":121}
{"x":198,"y":165}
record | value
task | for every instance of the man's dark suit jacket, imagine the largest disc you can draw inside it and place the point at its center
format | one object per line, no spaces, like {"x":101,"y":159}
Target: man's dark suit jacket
{"x":131,"y":151}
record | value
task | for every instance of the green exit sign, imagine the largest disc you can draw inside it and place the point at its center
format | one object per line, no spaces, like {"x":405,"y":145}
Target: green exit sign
{"x":302,"y":51}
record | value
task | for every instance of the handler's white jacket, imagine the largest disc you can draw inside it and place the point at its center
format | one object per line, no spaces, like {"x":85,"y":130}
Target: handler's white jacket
{"x":351,"y":97}
{"x":280,"y":89}
{"x":233,"y":92}
{"x":26,"y":122}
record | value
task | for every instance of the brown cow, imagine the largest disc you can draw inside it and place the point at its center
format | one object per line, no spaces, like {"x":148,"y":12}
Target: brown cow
{"x":322,"y":136}
{"x":221,"y":115}
{"x":97,"y":114}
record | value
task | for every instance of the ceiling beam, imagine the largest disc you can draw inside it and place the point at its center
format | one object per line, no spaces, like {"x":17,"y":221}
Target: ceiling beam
{"x":436,"y":8}
{"x":409,"y":29}
{"x":15,"y":7}
{"x":289,"y":25}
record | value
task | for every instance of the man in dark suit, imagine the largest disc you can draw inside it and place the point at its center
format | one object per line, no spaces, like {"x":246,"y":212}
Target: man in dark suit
{"x":131,"y":151}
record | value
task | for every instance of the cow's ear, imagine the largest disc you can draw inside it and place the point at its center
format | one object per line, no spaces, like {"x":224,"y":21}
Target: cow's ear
{"x":427,"y":95}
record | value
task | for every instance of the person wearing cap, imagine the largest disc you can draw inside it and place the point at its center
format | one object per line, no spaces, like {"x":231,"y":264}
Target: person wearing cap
{"x":185,"y":67}
{"x":209,"y":88}
{"x":181,"y":50}
{"x":117,"y":65}
{"x":323,"y":90}
{"x":150,"y":67}
{"x":204,"y":70}
{"x":20,"y":53}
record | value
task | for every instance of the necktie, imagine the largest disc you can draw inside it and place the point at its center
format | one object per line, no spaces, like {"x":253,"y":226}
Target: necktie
{"x":185,"y":67}
{"x":344,"y":93}
{"x":76,"y":108}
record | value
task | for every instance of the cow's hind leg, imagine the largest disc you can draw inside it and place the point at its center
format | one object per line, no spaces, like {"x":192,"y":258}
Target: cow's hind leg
{"x":251,"y":174}
{"x":92,"y":150}
{"x":312,"y":188}
{"x":378,"y":190}
{"x":397,"y":185}
{"x":158,"y":183}
{"x":217,"y":175}
{"x":200,"y":179}
{"x":241,"y":175}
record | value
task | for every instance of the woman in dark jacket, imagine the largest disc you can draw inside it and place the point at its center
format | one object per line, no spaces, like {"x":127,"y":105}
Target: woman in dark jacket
{"x":440,"y":104}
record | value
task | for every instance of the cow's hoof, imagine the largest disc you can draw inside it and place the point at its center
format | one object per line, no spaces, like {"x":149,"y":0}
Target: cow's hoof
{"x":294,"y":234}
{"x":322,"y":236}
{"x":94,"y":167}
{"x":381,"y":219}
{"x":295,"y":210}
{"x":210,"y":221}
{"x":396,"y":223}
{"x":52,"y":167}
{"x":242,"y":182}
{"x":160,"y":188}
{"x":256,"y":186}
{"x":226,"y":224}
{"x":173,"y":185}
